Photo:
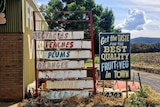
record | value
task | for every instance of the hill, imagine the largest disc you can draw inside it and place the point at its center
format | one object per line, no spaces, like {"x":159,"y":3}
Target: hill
{"x":145,"y":40}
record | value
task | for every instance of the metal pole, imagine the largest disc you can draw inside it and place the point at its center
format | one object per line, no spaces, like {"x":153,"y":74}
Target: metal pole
{"x":35,"y":61}
{"x":92,"y":39}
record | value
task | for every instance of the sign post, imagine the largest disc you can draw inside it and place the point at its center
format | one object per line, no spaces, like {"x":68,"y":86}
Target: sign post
{"x":115,"y":56}
{"x":59,"y":60}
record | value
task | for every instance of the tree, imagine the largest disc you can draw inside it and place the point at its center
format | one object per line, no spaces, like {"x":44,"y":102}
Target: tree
{"x":107,"y":21}
{"x":103,"y":20}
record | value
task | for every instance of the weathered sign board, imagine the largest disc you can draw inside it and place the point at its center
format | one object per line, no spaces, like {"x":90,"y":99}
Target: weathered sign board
{"x":60,"y":62}
{"x":64,"y":54}
{"x":65,"y":94}
{"x":69,"y":84}
{"x":115,"y":94}
{"x":62,"y":74}
{"x":114,"y":56}
{"x":64,"y":44}
{"x":57,"y":35}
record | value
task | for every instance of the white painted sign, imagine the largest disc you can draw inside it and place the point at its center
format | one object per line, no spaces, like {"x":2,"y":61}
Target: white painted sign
{"x":115,"y":94}
{"x":62,"y":74}
{"x":40,"y":45}
{"x":72,"y":44}
{"x":69,"y":84}
{"x":68,"y":44}
{"x":62,"y":64}
{"x":65,"y":54}
{"x":53,"y":35}
{"x":65,"y":94}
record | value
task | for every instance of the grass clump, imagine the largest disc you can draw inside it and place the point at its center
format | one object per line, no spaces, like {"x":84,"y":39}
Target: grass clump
{"x":146,"y":97}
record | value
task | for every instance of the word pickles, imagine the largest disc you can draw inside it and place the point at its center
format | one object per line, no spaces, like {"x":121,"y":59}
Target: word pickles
{"x":114,"y":56}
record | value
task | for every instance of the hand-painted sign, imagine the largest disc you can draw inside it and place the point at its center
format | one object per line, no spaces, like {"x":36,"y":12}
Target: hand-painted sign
{"x":65,"y":94}
{"x":46,"y":35}
{"x":62,"y":74}
{"x":60,"y":60}
{"x":68,"y":44}
{"x":65,"y":54}
{"x":116,"y":94}
{"x":114,"y":56}
{"x":62,"y":64}
{"x":69,"y":84}
{"x":72,"y":44}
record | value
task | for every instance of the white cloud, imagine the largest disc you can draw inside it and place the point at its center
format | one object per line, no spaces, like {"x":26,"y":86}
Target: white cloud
{"x":135,"y":21}
{"x":143,"y":33}
{"x":147,"y":3}
{"x":39,"y":4}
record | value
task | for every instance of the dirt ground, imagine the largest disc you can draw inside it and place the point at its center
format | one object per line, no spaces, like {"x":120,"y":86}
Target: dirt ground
{"x":6,"y":104}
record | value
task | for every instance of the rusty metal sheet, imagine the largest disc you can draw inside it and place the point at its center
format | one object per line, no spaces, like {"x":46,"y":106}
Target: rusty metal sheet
{"x":62,"y":74}
{"x":65,"y":94}
{"x":62,"y":64}
{"x":69,"y":84}
{"x":53,"y":35}
{"x":64,"y":54}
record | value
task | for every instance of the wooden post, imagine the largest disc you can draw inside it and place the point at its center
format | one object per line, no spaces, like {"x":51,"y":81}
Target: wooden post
{"x":126,"y":88}
{"x":139,"y":80}
{"x":103,"y":86}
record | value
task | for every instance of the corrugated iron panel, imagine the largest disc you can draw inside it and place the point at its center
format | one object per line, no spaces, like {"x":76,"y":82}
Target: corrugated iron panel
{"x":46,"y":35}
{"x":62,"y":74}
{"x":65,"y":94}
{"x":13,"y":16}
{"x":63,"y":64}
{"x":65,"y":54}
{"x":69,"y":84}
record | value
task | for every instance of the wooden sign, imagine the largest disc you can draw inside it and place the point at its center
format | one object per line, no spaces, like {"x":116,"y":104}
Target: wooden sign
{"x":69,"y":84}
{"x":72,"y":44}
{"x":53,"y":35}
{"x":62,"y":64}
{"x":65,"y":94}
{"x":65,"y":54}
{"x":115,"y":94}
{"x":62,"y":74}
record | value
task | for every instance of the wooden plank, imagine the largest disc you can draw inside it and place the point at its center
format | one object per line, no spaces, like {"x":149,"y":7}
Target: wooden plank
{"x":65,"y":94}
{"x":64,"y":54}
{"x":62,"y":74}
{"x":62,"y":64}
{"x":40,"y":45}
{"x":57,"y":35}
{"x":63,"y":44}
{"x":67,"y":44}
{"x":69,"y":84}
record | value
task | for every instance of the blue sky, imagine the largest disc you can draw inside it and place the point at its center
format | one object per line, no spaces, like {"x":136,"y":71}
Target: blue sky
{"x":141,"y":18}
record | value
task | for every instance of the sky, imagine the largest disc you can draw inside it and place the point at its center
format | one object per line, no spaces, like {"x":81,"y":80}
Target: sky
{"x":140,"y":18}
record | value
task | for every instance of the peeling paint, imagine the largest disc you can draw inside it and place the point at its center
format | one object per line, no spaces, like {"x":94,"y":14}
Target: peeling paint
{"x":63,"y":64}
{"x":63,"y":74}
{"x":65,"y":94}
{"x":69,"y":84}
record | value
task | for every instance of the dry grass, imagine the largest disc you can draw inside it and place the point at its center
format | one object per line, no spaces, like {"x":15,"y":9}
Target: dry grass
{"x":146,"y":60}
{"x":75,"y":101}
{"x":152,"y":96}
{"x":152,"y":99}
